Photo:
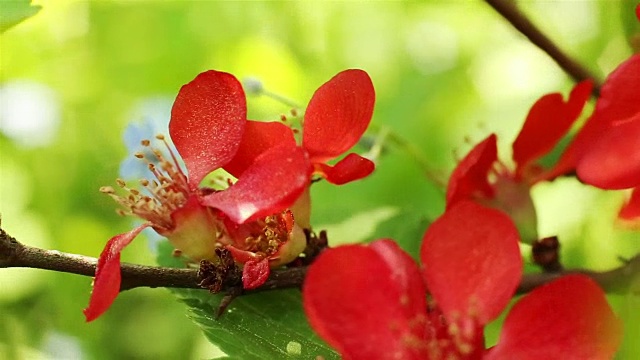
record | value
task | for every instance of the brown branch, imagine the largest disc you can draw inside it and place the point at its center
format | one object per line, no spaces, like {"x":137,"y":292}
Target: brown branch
{"x":15,"y":254}
{"x":618,"y":281}
{"x":508,"y":10}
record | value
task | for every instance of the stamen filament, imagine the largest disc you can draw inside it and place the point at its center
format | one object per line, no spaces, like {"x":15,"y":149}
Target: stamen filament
{"x":164,"y":193}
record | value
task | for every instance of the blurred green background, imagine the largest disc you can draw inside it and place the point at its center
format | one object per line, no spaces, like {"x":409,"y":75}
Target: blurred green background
{"x":446,"y":73}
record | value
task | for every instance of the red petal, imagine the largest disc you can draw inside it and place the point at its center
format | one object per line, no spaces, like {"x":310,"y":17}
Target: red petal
{"x":407,"y":275}
{"x":631,"y":210}
{"x":270,"y":185}
{"x":352,"y":167}
{"x":549,"y":119}
{"x":255,"y":273}
{"x":338,"y":114}
{"x":470,"y":176}
{"x":257,"y":138}
{"x":619,"y":100}
{"x":619,"y":97}
{"x":566,"y":319}
{"x":106,"y":285}
{"x":366,"y":301}
{"x":207,"y":121}
{"x":287,"y":220}
{"x":467,"y":342}
{"x":472,"y":263}
{"x":613,"y":161}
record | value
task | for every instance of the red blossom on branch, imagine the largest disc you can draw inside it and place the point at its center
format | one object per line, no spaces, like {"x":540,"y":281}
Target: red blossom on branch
{"x":481,"y":177}
{"x":606,"y":152}
{"x":337,"y":115}
{"x":369,"y":302}
{"x":208,"y":120}
{"x":210,"y":131}
{"x":263,"y":244}
{"x":549,"y":119}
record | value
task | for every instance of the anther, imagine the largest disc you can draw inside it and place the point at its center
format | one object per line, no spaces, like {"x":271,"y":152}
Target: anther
{"x":121,"y":183}
{"x":160,"y":137}
{"x":139,"y":155}
{"x":158,"y":154}
{"x":145,"y":142}
{"x":283,"y":118}
{"x":107,"y":190}
{"x":294,"y":112}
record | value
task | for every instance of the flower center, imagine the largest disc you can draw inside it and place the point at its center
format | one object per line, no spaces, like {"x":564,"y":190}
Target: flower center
{"x":262,"y":237}
{"x":271,"y":234}
{"x":166,"y":191}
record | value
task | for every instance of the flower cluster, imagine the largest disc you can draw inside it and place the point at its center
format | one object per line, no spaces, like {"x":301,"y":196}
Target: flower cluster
{"x":604,"y":153}
{"x":255,"y":216}
{"x":245,"y":188}
{"x":388,"y":307}
{"x":471,"y":261}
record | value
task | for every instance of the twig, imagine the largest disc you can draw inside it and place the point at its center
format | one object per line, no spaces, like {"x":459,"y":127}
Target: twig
{"x":15,"y":254}
{"x":617,"y":281}
{"x":510,"y":12}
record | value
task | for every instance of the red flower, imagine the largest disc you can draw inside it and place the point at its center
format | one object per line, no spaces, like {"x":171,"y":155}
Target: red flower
{"x":208,"y":120}
{"x":375,"y":307}
{"x":337,"y":115}
{"x":480,"y":176}
{"x":263,"y":244}
{"x":606,"y":151}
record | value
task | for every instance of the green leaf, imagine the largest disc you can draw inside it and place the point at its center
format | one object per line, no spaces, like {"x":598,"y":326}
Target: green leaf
{"x":627,"y":306}
{"x":13,"y":12}
{"x":268,"y":325}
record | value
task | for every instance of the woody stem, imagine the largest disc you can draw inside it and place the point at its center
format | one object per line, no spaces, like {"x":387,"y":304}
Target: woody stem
{"x":15,"y":254}
{"x":508,"y":10}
